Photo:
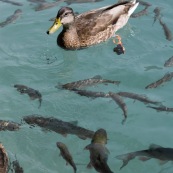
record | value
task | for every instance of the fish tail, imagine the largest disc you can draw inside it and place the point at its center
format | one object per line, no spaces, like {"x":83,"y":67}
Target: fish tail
{"x":125,"y":158}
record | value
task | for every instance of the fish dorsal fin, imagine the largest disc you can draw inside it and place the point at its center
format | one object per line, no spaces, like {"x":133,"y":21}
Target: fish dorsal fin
{"x":154,"y":146}
{"x":97,"y":77}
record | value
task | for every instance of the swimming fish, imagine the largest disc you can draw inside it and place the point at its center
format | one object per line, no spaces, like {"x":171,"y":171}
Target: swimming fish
{"x":98,"y":157}
{"x":16,"y":167}
{"x":154,"y":151}
{"x":12,"y":2}
{"x":3,"y":160}
{"x":120,"y":103}
{"x":8,"y":125}
{"x":138,"y":97}
{"x":157,"y":13}
{"x":169,"y":62}
{"x":88,"y":82}
{"x":162,"y":108}
{"x":140,"y":13}
{"x":32,"y":93}
{"x":64,"y":152}
{"x":11,"y":18}
{"x":58,"y":126}
{"x":167,"y":77}
{"x":167,"y":31}
{"x":91,"y":94}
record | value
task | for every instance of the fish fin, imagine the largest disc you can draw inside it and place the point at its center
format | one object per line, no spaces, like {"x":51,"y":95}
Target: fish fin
{"x":89,"y":166}
{"x":82,"y":137}
{"x":162,"y":162}
{"x":154,"y":146}
{"x":97,"y":77}
{"x":143,"y":158}
{"x":87,"y":147}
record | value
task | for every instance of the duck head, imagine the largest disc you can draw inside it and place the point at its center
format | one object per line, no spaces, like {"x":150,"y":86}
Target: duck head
{"x":64,"y":17}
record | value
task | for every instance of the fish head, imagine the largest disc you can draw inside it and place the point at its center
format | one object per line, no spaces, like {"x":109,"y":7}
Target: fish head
{"x":13,"y":126}
{"x":60,"y":145}
{"x":100,"y":136}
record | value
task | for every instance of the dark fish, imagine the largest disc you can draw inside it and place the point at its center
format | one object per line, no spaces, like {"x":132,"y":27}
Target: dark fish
{"x":144,"y":3}
{"x":138,"y":97}
{"x":157,"y":14}
{"x":11,"y":18}
{"x":162,"y":108}
{"x":98,"y":157}
{"x":58,"y":126}
{"x":154,"y":151}
{"x":69,"y":2}
{"x":91,"y":94}
{"x":32,"y":93}
{"x":120,"y":103}
{"x":165,"y":78}
{"x":47,"y":5}
{"x":167,"y":31}
{"x":12,"y":2}
{"x":16,"y":167}
{"x":3,"y":160}
{"x":169,"y":62}
{"x":100,"y":136}
{"x":8,"y":125}
{"x":64,"y":152}
{"x":140,"y":13}
{"x":87,"y":82}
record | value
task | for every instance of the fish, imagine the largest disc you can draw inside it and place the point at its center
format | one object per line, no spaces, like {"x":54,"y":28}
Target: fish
{"x":138,"y":97}
{"x":154,"y":151}
{"x":3,"y":159}
{"x":16,"y":167}
{"x":98,"y":157}
{"x":47,"y":5}
{"x":11,"y":18}
{"x":140,"y":13}
{"x":162,"y":108}
{"x":69,"y":2}
{"x":58,"y":126}
{"x":167,"y":77}
{"x":32,"y":93}
{"x":9,"y":125}
{"x":157,"y":14}
{"x":90,"y":94}
{"x":12,"y":2}
{"x":87,"y":82}
{"x":64,"y":152}
{"x":118,"y":99}
{"x":167,"y":31}
{"x":36,"y":1}
{"x":100,"y":136}
{"x":169,"y":62}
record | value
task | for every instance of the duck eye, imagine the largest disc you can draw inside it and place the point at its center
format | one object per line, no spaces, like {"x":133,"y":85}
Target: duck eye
{"x":65,"y":14}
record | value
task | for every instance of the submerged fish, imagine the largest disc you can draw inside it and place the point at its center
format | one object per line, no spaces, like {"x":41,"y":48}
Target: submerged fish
{"x":37,"y":1}
{"x":3,"y":160}
{"x":11,"y":18}
{"x":64,"y":152}
{"x":120,"y":103}
{"x":100,"y":136}
{"x":8,"y":125}
{"x":167,"y":77}
{"x":98,"y":157}
{"x":140,"y":13}
{"x":69,"y":2}
{"x":12,"y":2}
{"x":58,"y":126}
{"x":32,"y":93}
{"x":138,"y":97}
{"x":87,"y":82}
{"x":16,"y":167}
{"x":154,"y":151}
{"x":169,"y":62}
{"x":157,"y":14}
{"x":167,"y":31}
{"x":162,"y":108}
{"x":91,"y":94}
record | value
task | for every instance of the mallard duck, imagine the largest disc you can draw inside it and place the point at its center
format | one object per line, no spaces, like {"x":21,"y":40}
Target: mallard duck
{"x":91,"y":27}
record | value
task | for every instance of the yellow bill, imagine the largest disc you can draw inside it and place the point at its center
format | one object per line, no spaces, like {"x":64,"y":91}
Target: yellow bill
{"x":56,"y":25}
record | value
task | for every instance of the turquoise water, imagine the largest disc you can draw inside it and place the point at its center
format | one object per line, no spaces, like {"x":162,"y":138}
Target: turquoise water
{"x":31,"y":57}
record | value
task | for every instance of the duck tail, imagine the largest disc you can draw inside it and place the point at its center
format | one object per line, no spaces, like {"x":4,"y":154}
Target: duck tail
{"x":132,"y":9}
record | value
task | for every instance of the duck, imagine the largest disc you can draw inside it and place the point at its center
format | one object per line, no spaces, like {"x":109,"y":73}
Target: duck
{"x":91,"y":27}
